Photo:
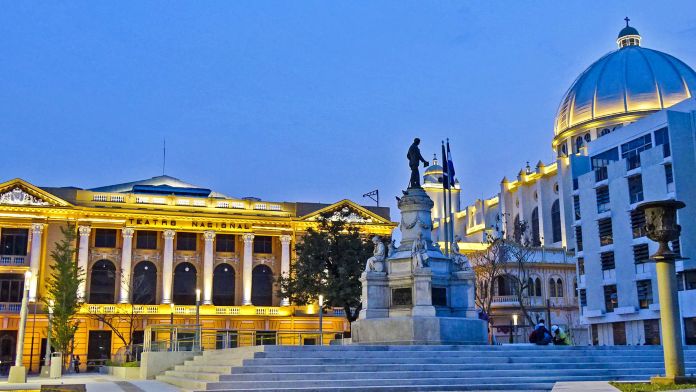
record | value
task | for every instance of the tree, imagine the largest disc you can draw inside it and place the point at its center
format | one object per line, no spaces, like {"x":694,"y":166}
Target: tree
{"x":124,"y":320}
{"x":329,"y":262}
{"x":62,"y":287}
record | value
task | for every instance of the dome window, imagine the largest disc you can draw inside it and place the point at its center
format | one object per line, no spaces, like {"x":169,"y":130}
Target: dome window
{"x":579,"y":143}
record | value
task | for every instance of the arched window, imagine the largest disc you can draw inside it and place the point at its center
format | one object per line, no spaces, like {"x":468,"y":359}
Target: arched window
{"x":144,"y":284}
{"x":536,"y":240}
{"x":537,"y":287}
{"x":578,"y":144}
{"x":102,"y":283}
{"x":223,"y":285}
{"x":516,"y":230}
{"x":506,"y":285}
{"x":262,"y":286}
{"x":184,"y":284}
{"x":530,"y":287}
{"x":552,"y":287}
{"x":559,"y":288}
{"x":556,"y":221}
{"x":8,"y":345}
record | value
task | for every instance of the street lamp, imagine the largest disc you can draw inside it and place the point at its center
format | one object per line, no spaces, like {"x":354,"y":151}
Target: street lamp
{"x":321,"y":320}
{"x":18,"y":373}
{"x":171,"y":327}
{"x":661,"y":226}
{"x":47,"y":359}
{"x":33,"y":327}
{"x":198,"y":320}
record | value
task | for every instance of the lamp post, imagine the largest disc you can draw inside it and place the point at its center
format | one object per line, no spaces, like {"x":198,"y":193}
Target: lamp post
{"x":171,"y":328}
{"x":18,"y":373}
{"x":321,"y":320}
{"x":661,"y":226}
{"x":47,"y":359}
{"x":513,"y":330}
{"x":198,"y":320}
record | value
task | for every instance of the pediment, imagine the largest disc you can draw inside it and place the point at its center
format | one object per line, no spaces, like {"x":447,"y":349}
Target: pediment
{"x":356,"y":214}
{"x":20,"y":193}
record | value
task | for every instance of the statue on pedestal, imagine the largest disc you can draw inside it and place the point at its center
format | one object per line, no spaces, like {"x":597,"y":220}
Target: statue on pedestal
{"x":414,"y":158}
{"x":460,"y":261}
{"x":376,"y":262}
{"x":419,"y":252}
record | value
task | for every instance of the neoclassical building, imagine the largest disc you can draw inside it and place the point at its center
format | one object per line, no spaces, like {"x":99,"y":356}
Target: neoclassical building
{"x":150,"y":245}
{"x":623,"y":134}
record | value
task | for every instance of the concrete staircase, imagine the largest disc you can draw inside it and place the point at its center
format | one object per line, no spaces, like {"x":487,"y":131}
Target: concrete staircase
{"x":413,"y":368}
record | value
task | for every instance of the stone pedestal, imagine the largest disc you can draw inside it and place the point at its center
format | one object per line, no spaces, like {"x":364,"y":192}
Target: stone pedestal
{"x":408,"y":304}
{"x":18,"y":375}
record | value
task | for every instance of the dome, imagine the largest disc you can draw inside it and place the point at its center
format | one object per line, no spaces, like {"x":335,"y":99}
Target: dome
{"x":630,"y":80}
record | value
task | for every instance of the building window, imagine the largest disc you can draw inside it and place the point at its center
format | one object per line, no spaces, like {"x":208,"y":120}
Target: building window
{"x":576,"y":206}
{"x":13,"y":242}
{"x":669,"y":178}
{"x":556,"y":221}
{"x":535,"y":227}
{"x":652,"y":332}
{"x":635,"y":189}
{"x":645,"y":297}
{"x":102,"y":283}
{"x":607,"y":259}
{"x":638,"y":223}
{"x":583,"y":297}
{"x":690,"y":280}
{"x":581,"y":266}
{"x":104,"y":238}
{"x":184,"y":287}
{"x":186,"y":241}
{"x":619,"y":332}
{"x":578,"y":237}
{"x":263,"y":244}
{"x":223,"y":285}
{"x":146,"y":239}
{"x":690,"y":330}
{"x":262,"y":286}
{"x":606,"y":236}
{"x":611,"y":299}
{"x":602,"y":199}
{"x":579,"y":142}
{"x":516,"y":230}
{"x":11,"y":287}
{"x":601,"y":161}
{"x":224,"y":243}
{"x":506,"y":285}
{"x":144,"y":283}
{"x":641,"y":254}
{"x":631,"y":151}
{"x":555,"y":288}
{"x":662,"y":139}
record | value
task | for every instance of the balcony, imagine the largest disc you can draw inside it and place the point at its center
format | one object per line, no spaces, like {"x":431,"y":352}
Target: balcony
{"x":13,"y":260}
{"x":10,"y":307}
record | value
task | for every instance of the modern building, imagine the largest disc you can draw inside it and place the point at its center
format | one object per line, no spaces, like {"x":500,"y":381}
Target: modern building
{"x":147,"y":246}
{"x":623,"y":134}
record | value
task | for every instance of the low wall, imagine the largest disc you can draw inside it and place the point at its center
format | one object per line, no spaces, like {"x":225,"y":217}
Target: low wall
{"x":154,"y":363}
{"x":126,"y":373}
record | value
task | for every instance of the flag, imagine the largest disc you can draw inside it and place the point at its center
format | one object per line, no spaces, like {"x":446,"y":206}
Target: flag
{"x":445,"y":171}
{"x":450,"y":165}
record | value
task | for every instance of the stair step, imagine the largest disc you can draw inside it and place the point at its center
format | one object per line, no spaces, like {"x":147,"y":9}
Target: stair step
{"x":184,"y":383}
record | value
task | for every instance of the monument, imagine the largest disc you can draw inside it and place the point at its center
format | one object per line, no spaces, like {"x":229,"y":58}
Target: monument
{"x":417,"y":295}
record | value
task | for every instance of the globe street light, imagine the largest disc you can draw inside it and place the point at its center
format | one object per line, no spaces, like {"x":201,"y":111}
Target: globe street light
{"x":321,"y":320}
{"x":18,"y":373}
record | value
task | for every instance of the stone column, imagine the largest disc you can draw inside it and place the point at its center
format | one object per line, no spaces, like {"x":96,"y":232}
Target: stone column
{"x":126,"y":256}
{"x":35,"y":258}
{"x":209,"y":237}
{"x":285,"y":262}
{"x":167,"y":266}
{"x":83,"y":257}
{"x":246,"y":268}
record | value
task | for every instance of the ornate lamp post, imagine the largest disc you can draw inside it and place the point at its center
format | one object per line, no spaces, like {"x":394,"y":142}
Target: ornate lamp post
{"x":18,"y":373}
{"x":661,"y":226}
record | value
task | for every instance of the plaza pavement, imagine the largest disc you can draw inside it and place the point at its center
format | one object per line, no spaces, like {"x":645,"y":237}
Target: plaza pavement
{"x":95,"y":383}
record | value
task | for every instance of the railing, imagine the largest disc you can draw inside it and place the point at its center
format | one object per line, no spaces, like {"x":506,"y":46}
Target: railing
{"x":166,"y":337}
{"x":11,"y":307}
{"x":205,"y":310}
{"x":12,"y":260}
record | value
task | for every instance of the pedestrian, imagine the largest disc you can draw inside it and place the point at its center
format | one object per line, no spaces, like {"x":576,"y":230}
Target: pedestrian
{"x":560,"y":338}
{"x":541,"y":335}
{"x":76,"y":363}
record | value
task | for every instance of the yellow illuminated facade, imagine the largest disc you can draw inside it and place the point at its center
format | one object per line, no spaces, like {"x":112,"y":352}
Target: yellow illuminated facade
{"x":145,"y":248}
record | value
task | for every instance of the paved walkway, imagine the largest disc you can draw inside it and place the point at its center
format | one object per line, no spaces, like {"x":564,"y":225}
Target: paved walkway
{"x":95,"y":383}
{"x":585,"y":386}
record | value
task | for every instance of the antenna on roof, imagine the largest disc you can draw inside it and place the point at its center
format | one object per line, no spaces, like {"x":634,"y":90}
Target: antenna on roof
{"x":164,"y":154}
{"x":374,"y":195}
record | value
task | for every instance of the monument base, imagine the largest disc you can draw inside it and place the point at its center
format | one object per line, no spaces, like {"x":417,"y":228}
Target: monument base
{"x":419,"y":330}
{"x":18,"y":375}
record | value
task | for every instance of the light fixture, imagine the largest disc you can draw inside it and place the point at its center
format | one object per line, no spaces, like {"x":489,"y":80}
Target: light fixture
{"x":198,"y":295}
{"x":514,"y":320}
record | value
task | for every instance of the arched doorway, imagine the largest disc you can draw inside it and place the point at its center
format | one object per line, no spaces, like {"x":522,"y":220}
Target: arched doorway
{"x":262,"y":286}
{"x":223,"y":285}
{"x":144,"y":284}
{"x":102,"y":283}
{"x":184,"y":284}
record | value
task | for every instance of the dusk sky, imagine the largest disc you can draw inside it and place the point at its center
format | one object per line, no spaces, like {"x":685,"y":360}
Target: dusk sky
{"x":299,"y":101}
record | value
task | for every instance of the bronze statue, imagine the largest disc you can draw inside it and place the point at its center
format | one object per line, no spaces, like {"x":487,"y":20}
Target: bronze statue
{"x":414,"y":158}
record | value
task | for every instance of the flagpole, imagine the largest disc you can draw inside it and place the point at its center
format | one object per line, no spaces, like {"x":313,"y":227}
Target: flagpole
{"x":445,"y":183}
{"x":450,"y":176}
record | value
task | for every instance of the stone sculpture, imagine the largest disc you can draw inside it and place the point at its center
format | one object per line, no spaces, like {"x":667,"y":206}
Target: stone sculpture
{"x":414,"y":158}
{"x":419,"y":252}
{"x":460,"y":261}
{"x":376,"y":262}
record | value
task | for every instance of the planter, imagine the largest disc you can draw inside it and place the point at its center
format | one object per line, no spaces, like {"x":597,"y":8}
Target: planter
{"x":126,"y":373}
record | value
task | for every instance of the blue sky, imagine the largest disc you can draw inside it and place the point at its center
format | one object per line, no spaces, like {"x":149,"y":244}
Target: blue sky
{"x":299,"y":101}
